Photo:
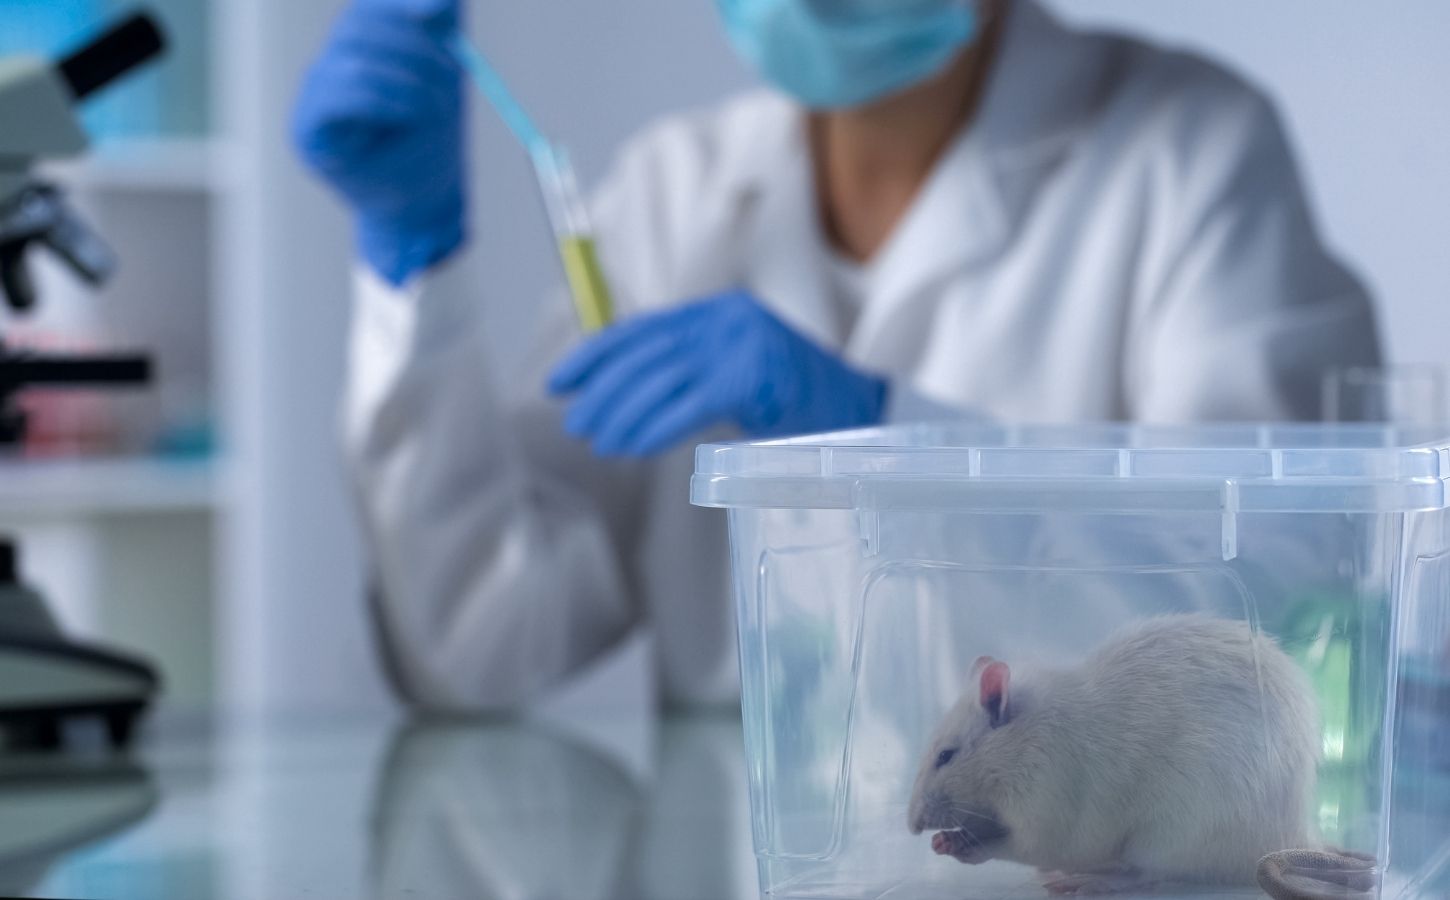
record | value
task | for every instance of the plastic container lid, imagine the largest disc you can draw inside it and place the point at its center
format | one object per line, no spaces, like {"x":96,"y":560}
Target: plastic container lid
{"x":1085,"y":468}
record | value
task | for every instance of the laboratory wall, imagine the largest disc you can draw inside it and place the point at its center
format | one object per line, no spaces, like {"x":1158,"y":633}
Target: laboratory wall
{"x":1361,"y":86}
{"x":292,"y":628}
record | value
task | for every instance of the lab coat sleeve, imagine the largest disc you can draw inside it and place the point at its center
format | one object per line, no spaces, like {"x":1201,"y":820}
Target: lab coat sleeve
{"x":497,"y":545}
{"x":1243,"y":309}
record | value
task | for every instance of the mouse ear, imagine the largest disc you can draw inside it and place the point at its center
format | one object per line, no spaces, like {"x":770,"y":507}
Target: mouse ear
{"x":995,"y":677}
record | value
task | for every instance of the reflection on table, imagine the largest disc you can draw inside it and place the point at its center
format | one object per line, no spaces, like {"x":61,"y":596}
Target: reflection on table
{"x":638,"y":809}
{"x":51,"y":806}
{"x":464,"y":811}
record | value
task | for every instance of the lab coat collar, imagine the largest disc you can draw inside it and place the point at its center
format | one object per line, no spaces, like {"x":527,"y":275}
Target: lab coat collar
{"x":784,"y":248}
{"x":1038,"y":97}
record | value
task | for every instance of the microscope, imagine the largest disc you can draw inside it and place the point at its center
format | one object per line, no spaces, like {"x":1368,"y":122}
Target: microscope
{"x":47,"y":678}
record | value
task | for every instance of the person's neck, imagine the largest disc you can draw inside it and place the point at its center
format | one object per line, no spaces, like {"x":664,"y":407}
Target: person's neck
{"x":872,"y":161}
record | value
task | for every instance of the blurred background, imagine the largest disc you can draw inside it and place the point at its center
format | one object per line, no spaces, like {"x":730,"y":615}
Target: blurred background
{"x":207,"y":522}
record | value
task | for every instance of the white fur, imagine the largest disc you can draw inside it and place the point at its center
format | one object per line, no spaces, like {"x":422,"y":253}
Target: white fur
{"x":1184,"y":748}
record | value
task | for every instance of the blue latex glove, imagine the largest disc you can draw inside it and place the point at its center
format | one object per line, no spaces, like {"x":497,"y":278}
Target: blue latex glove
{"x":650,"y":382}
{"x":381,"y":119}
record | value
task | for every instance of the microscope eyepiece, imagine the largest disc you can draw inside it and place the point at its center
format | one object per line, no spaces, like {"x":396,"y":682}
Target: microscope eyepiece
{"x":121,"y":48}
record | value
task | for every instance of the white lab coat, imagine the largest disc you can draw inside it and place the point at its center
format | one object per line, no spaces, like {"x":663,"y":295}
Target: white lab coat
{"x":1120,"y":234}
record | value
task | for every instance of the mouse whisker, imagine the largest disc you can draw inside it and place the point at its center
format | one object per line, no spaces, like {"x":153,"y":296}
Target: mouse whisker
{"x":956,"y":808}
{"x":962,"y":829}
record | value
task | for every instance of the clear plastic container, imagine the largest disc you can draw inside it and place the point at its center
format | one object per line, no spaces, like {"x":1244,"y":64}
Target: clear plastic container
{"x":873,"y":568}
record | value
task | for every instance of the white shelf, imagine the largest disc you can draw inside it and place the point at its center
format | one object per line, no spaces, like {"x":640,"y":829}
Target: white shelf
{"x":150,"y":164}
{"x":46,"y":488}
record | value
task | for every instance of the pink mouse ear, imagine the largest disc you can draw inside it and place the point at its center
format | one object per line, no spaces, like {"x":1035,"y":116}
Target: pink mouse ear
{"x":994,"y":680}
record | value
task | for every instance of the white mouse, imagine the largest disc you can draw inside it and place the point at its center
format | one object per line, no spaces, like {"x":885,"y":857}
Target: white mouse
{"x":1183,"y":749}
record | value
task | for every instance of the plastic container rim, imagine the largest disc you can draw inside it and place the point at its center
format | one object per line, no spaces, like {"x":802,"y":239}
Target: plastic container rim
{"x":1088,"y":468}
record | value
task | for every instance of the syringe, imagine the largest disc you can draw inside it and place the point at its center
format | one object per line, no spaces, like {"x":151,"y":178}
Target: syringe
{"x":560,"y":188}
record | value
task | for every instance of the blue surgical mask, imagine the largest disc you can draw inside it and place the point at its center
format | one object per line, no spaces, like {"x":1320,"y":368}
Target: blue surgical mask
{"x":830,"y":54}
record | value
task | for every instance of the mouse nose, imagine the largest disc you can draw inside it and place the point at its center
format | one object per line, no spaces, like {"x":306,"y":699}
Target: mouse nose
{"x":931,"y":810}
{"x":924,"y":812}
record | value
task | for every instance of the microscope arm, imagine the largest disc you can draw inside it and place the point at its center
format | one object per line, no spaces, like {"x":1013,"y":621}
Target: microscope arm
{"x":39,"y":214}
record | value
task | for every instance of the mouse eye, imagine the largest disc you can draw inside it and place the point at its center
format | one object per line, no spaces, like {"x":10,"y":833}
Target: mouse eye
{"x":945,"y":756}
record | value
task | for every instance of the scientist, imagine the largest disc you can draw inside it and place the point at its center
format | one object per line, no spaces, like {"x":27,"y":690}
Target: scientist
{"x":942,"y":204}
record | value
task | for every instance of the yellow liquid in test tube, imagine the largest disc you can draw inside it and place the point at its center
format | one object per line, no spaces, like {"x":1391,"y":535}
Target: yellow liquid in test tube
{"x":569,"y":216}
{"x":592,"y":301}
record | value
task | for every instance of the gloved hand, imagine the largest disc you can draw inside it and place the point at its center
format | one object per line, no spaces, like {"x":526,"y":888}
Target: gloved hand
{"x":649,"y":382}
{"x":381,"y":119}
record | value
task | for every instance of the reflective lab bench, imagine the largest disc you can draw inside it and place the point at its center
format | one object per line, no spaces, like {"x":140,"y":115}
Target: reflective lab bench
{"x":368,"y":807}
{"x":636,"y":807}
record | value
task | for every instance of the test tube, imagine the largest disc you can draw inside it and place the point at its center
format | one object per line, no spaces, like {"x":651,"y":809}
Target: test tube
{"x":574,"y":236}
{"x":562,"y":199}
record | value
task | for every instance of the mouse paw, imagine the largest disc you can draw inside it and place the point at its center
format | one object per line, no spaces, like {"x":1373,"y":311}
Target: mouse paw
{"x":1095,"y":884}
{"x":960,"y":846}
